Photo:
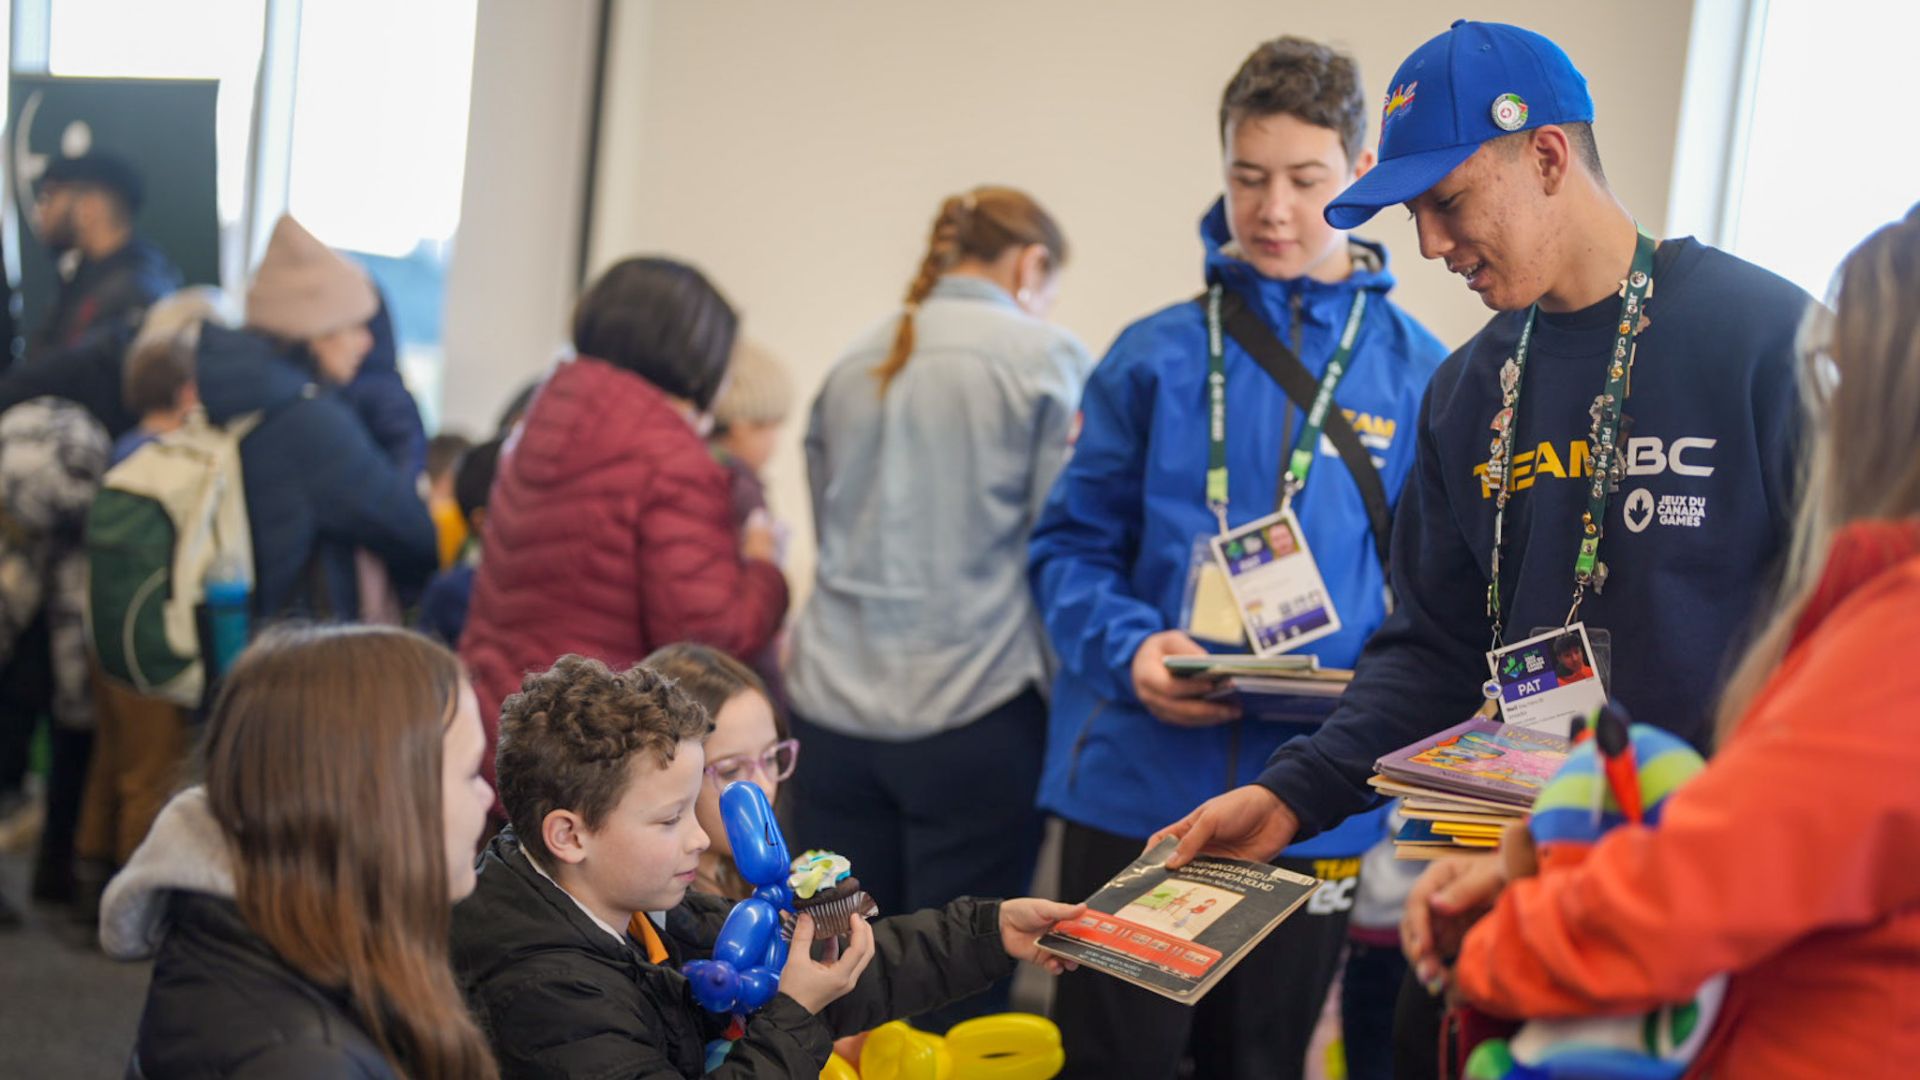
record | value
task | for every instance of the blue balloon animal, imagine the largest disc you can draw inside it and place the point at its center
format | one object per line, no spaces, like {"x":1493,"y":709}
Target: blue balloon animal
{"x":751,"y":950}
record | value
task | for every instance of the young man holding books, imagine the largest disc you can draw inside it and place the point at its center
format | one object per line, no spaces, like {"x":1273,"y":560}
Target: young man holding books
{"x":1683,"y":406}
{"x":1188,"y":435}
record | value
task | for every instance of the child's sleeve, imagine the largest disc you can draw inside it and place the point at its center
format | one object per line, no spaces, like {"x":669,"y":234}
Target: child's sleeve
{"x":923,"y":961}
{"x":1806,"y":822}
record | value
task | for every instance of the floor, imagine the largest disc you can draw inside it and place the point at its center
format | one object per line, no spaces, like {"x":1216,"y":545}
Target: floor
{"x":66,"y":1010}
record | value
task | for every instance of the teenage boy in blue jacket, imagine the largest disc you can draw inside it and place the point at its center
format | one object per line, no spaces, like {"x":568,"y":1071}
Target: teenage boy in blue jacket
{"x":1114,"y":557}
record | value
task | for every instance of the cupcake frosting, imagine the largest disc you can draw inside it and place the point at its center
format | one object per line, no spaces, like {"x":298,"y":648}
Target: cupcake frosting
{"x":816,"y":870}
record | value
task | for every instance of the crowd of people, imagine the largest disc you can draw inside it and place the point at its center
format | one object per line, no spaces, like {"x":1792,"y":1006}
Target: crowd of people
{"x":1013,"y":543}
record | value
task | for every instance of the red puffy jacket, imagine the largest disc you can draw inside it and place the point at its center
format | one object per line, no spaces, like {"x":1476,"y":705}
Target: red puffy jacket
{"x":609,"y":533}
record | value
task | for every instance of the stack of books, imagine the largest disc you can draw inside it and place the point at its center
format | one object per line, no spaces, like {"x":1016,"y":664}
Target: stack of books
{"x":1461,"y":788}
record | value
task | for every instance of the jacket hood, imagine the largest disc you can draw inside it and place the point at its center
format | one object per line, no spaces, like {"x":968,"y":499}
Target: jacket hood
{"x":240,"y":371}
{"x":186,"y":850}
{"x":1320,"y":301}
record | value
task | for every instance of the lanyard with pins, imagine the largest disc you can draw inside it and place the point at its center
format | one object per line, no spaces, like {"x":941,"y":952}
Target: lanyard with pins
{"x":1300,"y":462}
{"x":1608,"y":467}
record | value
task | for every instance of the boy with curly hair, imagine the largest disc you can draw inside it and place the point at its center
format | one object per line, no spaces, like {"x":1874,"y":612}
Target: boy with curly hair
{"x":571,"y":945}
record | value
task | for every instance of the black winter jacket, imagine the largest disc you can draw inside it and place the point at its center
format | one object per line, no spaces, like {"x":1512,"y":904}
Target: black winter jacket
{"x":124,"y":283}
{"x":223,"y":1004}
{"x":558,"y":997}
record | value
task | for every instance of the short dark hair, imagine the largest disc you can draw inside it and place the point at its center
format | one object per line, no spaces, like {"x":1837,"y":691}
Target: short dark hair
{"x":473,"y":477}
{"x":443,"y":452}
{"x":158,"y":368}
{"x":1579,"y":137}
{"x":568,"y":736}
{"x":1316,"y":83}
{"x":663,"y":321}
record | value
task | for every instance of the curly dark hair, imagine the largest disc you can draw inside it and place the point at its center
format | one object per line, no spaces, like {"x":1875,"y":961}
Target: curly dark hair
{"x":566,"y":739}
{"x":1308,"y":80}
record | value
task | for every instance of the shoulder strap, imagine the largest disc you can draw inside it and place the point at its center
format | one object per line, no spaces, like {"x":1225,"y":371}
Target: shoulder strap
{"x":1267,"y":350}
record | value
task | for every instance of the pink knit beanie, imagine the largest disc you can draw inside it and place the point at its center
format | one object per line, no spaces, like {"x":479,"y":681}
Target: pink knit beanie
{"x":304,"y":290}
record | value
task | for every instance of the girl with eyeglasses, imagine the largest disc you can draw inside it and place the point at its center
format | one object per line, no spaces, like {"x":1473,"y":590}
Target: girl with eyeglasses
{"x":749,"y":742}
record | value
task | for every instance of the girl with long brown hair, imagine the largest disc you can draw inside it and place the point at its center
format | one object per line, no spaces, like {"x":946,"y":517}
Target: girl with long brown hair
{"x":298,"y":901}
{"x":1787,"y":863}
{"x":917,"y":663}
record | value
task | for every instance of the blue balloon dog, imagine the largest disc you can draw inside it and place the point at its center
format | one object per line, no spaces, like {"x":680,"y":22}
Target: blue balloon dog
{"x":750,"y":951}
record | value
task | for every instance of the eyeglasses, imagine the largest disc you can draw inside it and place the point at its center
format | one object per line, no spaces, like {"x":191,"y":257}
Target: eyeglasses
{"x":775,"y":763}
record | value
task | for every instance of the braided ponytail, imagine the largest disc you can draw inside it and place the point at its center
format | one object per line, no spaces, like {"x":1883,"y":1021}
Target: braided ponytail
{"x":979,"y":224}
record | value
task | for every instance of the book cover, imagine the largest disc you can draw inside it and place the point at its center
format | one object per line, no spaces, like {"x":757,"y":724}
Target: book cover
{"x":1482,"y":758}
{"x":1177,"y":932}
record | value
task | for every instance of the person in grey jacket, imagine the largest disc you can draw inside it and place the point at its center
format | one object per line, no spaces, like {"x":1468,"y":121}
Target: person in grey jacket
{"x":917,"y":666}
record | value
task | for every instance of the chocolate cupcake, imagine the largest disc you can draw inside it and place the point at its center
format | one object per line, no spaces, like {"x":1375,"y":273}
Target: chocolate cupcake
{"x":825,"y":888}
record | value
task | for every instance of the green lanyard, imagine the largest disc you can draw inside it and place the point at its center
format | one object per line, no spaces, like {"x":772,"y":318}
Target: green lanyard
{"x":1300,"y":462}
{"x":1604,"y":437}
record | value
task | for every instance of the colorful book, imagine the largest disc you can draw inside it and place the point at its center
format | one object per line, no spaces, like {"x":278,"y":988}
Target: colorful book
{"x":1480,"y":759}
{"x":1177,"y":932}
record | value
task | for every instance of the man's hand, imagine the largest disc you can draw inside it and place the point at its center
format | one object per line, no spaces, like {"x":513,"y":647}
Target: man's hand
{"x":1246,"y":823}
{"x":1445,"y":903}
{"x":1174,"y":700}
{"x":1023,"y":921}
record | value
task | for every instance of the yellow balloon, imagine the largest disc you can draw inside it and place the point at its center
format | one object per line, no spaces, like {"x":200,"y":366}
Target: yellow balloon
{"x":838,"y":1069}
{"x":1008,"y":1046}
{"x":895,"y":1051}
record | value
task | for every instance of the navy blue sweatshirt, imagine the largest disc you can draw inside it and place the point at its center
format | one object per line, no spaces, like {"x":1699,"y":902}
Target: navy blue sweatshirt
{"x":1693,"y":536}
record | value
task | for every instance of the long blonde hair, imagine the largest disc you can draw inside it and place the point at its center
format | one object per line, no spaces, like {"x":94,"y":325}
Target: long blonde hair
{"x":979,"y":224}
{"x":323,"y":767}
{"x":1860,"y":387}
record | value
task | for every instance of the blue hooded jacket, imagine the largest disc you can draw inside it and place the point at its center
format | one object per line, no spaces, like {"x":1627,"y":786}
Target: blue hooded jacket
{"x":1112,"y":549}
{"x":315,"y":480}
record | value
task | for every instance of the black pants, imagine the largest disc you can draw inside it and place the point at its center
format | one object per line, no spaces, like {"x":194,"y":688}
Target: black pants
{"x":1418,"y":1020}
{"x":1369,"y":995}
{"x":930,"y":820}
{"x":26,"y":697}
{"x":1256,"y":1023}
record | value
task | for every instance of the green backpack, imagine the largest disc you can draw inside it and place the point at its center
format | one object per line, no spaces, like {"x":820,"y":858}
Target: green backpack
{"x":164,"y":520}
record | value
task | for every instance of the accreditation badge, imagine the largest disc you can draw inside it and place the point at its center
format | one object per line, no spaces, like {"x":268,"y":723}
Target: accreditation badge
{"x":1281,"y":599}
{"x":1547,"y":680}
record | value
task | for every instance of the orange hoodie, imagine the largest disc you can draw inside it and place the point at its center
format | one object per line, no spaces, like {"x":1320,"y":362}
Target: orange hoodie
{"x":1792,"y":862}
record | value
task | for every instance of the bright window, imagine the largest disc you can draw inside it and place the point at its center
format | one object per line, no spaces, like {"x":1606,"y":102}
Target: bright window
{"x":141,"y":39}
{"x":1829,"y":157}
{"x":379,"y":154}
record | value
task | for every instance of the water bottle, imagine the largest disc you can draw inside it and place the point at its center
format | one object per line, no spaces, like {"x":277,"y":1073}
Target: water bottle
{"x":229,"y":599}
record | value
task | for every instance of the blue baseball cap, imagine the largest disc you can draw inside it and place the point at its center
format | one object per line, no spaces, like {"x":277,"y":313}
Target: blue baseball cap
{"x":1478,"y":81}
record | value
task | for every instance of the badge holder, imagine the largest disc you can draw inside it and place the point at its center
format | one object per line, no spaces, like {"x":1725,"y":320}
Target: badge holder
{"x":1277,"y":590}
{"x":1548,"y":679}
{"x":1208,"y":612}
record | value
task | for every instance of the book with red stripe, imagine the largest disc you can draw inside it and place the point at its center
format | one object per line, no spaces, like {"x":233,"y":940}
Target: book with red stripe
{"x":1177,"y":932}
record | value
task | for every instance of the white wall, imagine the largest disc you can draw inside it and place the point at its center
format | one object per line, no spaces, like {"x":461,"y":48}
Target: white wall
{"x":797,"y":152}
{"x":510,"y":281}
